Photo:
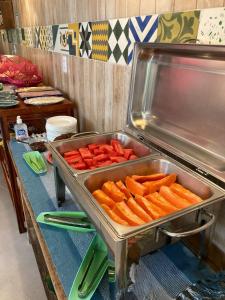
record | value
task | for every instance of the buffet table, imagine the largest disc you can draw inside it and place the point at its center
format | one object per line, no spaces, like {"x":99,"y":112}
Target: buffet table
{"x":59,"y":252}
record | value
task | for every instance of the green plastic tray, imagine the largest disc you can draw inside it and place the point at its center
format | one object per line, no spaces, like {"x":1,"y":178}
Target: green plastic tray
{"x":91,"y":271}
{"x":35,"y":161}
{"x":75,"y":214}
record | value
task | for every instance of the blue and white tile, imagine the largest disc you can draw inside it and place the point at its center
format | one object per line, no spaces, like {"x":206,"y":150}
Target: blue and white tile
{"x":118,"y":41}
{"x":142,"y":29}
{"x":211,"y":28}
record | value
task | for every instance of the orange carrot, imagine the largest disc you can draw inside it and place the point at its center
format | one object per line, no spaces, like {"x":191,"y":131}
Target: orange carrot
{"x":185,"y":193}
{"x":135,"y":187}
{"x":123,"y":211}
{"x":154,"y":186}
{"x":113,"y":215}
{"x":151,"y":177}
{"x":161,"y":202}
{"x":123,"y":189}
{"x":149,"y":207}
{"x":173,"y":198}
{"x":138,"y":210}
{"x":102,"y":198}
{"x":113,"y":191}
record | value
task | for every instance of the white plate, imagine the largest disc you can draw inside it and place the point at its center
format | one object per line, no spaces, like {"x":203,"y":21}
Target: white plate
{"x":35,"y":89}
{"x":43,"y":100}
{"x":5,"y":104}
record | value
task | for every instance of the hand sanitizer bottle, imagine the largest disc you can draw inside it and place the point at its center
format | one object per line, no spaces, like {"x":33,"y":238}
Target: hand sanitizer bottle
{"x":20,"y":129}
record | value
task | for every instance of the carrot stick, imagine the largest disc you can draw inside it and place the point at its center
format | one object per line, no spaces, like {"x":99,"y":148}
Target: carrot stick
{"x":113,"y":191}
{"x":138,"y":210}
{"x":151,"y":177}
{"x":113,"y":215}
{"x":102,"y":198}
{"x":185,"y":193}
{"x":135,"y":187}
{"x":149,"y":207}
{"x":154,"y":186}
{"x":123,"y":189}
{"x":124,"y":212}
{"x":173,"y":198}
{"x":161,"y":202}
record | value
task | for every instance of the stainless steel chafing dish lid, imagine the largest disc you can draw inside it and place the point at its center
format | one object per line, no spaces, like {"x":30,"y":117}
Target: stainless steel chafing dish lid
{"x":177,"y":101}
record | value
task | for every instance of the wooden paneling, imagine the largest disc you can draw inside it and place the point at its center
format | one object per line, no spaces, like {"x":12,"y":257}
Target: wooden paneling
{"x":7,"y":14}
{"x":100,"y":90}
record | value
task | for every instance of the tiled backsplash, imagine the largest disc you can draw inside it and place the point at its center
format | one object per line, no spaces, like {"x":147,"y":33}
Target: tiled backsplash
{"x":113,"y":40}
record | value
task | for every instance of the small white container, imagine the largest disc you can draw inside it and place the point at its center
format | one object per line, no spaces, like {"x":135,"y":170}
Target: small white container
{"x":20,"y":129}
{"x":56,"y":126}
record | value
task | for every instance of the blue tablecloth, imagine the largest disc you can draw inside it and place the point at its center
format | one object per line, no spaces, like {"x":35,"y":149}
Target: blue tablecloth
{"x":163,"y":274}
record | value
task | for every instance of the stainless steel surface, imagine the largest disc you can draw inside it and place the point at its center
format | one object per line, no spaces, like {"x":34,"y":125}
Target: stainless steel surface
{"x":177,"y":101}
{"x":128,"y":141}
{"x":182,"y":234}
{"x":84,"y":133}
{"x":94,"y":180}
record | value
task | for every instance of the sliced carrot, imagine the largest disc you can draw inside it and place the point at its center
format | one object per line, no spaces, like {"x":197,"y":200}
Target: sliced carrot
{"x":113,"y":191}
{"x":123,"y":211}
{"x":173,"y":198}
{"x":113,"y":215}
{"x":151,"y":177}
{"x":154,"y":186}
{"x":185,"y":193}
{"x":123,"y":189}
{"x":102,"y":198}
{"x":149,"y":207}
{"x":138,"y":210}
{"x":161,"y":202}
{"x":135,"y":187}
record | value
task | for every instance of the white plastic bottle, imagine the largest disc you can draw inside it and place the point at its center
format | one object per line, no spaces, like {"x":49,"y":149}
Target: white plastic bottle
{"x":20,"y":129}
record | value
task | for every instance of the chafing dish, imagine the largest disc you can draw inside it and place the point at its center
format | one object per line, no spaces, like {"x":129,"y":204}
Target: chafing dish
{"x":178,"y":126}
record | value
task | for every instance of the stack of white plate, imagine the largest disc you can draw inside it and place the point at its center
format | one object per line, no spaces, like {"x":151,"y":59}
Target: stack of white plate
{"x":59,"y":125}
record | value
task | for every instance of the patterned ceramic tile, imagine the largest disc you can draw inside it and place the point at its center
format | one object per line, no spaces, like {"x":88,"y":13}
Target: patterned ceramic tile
{"x":212,"y":26}
{"x":46,"y":38}
{"x":142,"y":29}
{"x":37,"y":31}
{"x":73,"y":38}
{"x":178,"y":27}
{"x":85,"y":39}
{"x":66,"y":38}
{"x":9,"y":35}
{"x":100,"y":40}
{"x":23,"y":41}
{"x":118,"y":41}
{"x":29,"y":36}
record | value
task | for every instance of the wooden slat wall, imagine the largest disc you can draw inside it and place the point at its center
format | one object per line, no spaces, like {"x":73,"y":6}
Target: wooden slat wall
{"x":100,"y":90}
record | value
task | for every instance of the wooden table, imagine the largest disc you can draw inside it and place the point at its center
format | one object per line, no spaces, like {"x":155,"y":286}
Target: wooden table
{"x":35,"y":118}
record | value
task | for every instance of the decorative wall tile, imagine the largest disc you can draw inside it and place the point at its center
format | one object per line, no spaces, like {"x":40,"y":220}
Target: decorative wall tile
{"x":9,"y":35}
{"x":179,"y":27}
{"x":4,"y":36}
{"x":118,"y":41}
{"x":19,"y":35}
{"x":66,"y":38}
{"x":60,"y":37}
{"x":142,"y":29}
{"x":23,"y":41}
{"x":29,"y":36}
{"x":212,"y":26}
{"x":85,"y":39}
{"x":37,"y":31}
{"x":100,"y":40}
{"x":73,"y":38}
{"x":46,"y":38}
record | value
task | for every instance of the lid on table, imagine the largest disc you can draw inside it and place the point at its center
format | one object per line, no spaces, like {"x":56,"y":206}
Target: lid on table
{"x":177,"y":99}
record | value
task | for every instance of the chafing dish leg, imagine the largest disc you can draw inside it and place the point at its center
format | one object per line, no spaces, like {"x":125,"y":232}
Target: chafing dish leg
{"x":60,"y":187}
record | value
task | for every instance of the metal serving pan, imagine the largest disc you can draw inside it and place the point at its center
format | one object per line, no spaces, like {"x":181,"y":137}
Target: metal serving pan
{"x":127,"y":140}
{"x":202,"y":187}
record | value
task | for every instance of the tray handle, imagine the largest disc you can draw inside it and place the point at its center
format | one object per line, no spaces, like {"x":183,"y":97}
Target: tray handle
{"x":212,"y":219}
{"x":84,"y":133}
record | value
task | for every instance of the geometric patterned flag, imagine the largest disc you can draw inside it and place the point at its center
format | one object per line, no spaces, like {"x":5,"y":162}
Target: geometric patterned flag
{"x":141,"y":29}
{"x":100,"y":40}
{"x":118,"y":41}
{"x":85,"y":39}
